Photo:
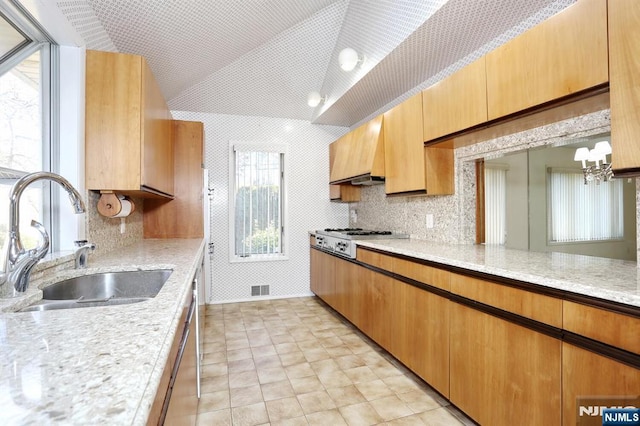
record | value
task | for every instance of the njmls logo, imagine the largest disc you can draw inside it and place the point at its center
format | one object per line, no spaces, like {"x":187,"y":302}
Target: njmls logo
{"x":608,"y":410}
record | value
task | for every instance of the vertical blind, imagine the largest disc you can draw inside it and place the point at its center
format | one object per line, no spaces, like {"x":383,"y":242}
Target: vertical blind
{"x":258,"y":201}
{"x":579,"y":212}
{"x":495,"y":210}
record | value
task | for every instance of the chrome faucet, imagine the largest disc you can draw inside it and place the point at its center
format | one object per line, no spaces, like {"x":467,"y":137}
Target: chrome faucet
{"x":82,"y":253}
{"x":19,"y":262}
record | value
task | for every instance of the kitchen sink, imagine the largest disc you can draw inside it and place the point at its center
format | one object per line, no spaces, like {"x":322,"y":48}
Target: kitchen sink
{"x":102,"y":289}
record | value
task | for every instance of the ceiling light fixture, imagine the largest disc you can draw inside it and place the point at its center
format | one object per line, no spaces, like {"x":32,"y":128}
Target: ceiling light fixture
{"x":315,"y":98}
{"x":349,"y":59}
{"x":596,"y":155}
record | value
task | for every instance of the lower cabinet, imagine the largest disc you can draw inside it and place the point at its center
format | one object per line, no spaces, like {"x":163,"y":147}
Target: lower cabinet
{"x":589,"y":379}
{"x":502,"y":373}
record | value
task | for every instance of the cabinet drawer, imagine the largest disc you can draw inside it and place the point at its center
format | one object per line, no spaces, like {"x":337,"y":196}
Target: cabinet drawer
{"x":375,"y":259}
{"x":422,"y":273}
{"x":615,"y":329}
{"x":535,"y":306}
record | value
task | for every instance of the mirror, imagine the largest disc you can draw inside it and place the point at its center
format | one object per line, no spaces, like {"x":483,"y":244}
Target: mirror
{"x":537,"y":200}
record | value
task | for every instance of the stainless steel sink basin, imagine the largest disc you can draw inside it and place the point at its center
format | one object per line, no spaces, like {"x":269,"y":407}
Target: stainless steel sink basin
{"x":103,"y":289}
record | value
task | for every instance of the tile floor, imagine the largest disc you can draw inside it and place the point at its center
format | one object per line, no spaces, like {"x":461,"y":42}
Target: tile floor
{"x":296,"y":362}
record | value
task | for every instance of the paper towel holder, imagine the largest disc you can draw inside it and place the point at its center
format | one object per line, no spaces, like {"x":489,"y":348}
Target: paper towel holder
{"x":110,"y":204}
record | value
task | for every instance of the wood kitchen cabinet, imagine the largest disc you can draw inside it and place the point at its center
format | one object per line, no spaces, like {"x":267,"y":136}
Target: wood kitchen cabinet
{"x":181,"y":217}
{"x":323,"y":282}
{"x":502,"y":373}
{"x":563,"y":55}
{"x":346,"y":192}
{"x":455,"y":103}
{"x":128,"y":143}
{"x":586,"y":374}
{"x":410,"y":167}
{"x":624,"y":86}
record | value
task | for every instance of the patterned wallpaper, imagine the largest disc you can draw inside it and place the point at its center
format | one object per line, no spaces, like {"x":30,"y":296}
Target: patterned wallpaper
{"x":308,"y":202}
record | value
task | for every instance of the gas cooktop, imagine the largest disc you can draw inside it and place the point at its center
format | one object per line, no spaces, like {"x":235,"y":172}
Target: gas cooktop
{"x":338,"y":241}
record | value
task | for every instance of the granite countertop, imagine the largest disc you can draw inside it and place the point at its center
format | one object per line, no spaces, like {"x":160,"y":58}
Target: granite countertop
{"x":607,"y":279}
{"x":94,"y":365}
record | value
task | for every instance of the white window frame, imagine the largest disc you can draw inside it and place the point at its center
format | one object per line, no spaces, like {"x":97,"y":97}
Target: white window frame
{"x":264,"y":147}
{"x":591,"y":186}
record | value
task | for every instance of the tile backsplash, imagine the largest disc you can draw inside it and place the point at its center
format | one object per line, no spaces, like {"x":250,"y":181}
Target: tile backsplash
{"x":454,"y":215}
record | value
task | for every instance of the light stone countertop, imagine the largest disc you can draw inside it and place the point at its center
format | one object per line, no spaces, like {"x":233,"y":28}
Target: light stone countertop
{"x":94,"y":365}
{"x":608,"y":279}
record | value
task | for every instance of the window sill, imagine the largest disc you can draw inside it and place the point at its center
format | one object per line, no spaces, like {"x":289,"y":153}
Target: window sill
{"x":258,"y":258}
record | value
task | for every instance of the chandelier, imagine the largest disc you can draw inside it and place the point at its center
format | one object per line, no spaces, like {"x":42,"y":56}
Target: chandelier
{"x":601,"y":170}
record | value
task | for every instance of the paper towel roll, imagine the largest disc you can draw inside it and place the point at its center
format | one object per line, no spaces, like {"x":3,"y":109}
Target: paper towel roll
{"x":127,"y":208}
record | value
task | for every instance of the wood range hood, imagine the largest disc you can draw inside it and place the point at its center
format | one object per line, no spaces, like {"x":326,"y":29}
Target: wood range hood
{"x":358,"y":156}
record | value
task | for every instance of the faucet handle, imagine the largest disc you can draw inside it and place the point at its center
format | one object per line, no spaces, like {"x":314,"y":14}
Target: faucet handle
{"x":43,"y":247}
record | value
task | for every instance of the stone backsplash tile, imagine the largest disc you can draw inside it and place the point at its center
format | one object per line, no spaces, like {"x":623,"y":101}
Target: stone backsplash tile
{"x":105,"y":232}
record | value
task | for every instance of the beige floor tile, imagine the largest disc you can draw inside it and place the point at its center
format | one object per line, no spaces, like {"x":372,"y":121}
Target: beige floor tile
{"x":246,"y":396}
{"x":331,"y":342}
{"x":277,"y":390}
{"x":418,"y":401}
{"x":249,"y":415}
{"x":439,"y":417}
{"x":213,"y":401}
{"x":325,"y":418}
{"x":348,"y":362}
{"x":270,"y":375}
{"x":360,"y":374}
{"x":241,"y":365}
{"x":214,"y":357}
{"x":235,"y":335}
{"x":285,"y":348}
{"x":215,"y":370}
{"x":218,"y":418}
{"x":292,"y":358}
{"x":299,"y":370}
{"x":269,"y":361}
{"x":237,"y":354}
{"x":297,"y":421}
{"x":285,"y":408}
{"x":262,"y":340}
{"x":414,"y":420}
{"x":306,"y":384}
{"x":374,"y":390}
{"x":324,"y":366}
{"x":391,"y":407}
{"x":262,"y":351}
{"x":284,"y":337}
{"x":316,"y":401}
{"x":347,"y":395}
{"x":243,"y":379}
{"x":334,"y":379}
{"x":339,"y":351}
{"x":401,"y":384}
{"x":360,"y":414}
{"x":316,"y":354}
{"x":213,"y":384}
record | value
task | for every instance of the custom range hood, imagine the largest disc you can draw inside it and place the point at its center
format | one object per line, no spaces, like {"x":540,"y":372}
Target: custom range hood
{"x":357,"y":158}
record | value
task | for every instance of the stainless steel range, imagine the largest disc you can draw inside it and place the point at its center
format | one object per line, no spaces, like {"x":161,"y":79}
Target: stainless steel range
{"x":340,"y":240}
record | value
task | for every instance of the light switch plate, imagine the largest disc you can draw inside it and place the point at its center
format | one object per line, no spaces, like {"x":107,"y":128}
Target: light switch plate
{"x":429,"y":220}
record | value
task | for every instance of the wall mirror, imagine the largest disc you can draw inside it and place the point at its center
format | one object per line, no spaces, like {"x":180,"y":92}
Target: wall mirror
{"x":537,"y":200}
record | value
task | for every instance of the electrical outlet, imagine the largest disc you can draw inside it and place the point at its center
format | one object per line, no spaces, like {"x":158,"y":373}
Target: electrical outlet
{"x":429,"y":220}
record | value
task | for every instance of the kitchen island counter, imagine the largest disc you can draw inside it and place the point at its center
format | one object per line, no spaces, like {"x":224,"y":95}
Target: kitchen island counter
{"x":611,"y":280}
{"x":94,"y":365}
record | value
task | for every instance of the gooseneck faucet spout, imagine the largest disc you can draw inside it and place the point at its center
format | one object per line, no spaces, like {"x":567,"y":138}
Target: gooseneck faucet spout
{"x":19,"y":262}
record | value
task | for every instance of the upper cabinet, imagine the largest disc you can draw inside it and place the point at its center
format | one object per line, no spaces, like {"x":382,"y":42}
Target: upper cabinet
{"x":410,"y":168}
{"x":456,"y":103}
{"x":624,"y":69}
{"x":346,"y":192}
{"x":359,"y":154}
{"x":563,"y":55}
{"x":128,"y":130}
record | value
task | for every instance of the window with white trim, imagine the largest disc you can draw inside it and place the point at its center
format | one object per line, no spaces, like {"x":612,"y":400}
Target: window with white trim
{"x":579,"y":212}
{"x":258,"y":192}
{"x":495,"y":206}
{"x":26,"y":143}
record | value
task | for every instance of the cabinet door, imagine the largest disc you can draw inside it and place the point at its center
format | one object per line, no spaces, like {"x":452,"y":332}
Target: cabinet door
{"x":457,"y":102}
{"x":404,"y":147}
{"x":323,"y":276}
{"x":624,"y":70}
{"x":502,"y":373}
{"x":339,"y":158}
{"x":156,"y":139}
{"x":113,"y":121}
{"x":421,"y":339}
{"x":585,"y":374}
{"x":563,"y":55}
{"x":378,"y":308}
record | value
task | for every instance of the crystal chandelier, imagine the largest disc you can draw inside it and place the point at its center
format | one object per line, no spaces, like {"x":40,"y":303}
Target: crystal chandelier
{"x":601,"y":170}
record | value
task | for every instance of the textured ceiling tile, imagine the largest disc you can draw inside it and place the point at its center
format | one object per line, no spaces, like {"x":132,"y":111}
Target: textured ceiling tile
{"x":185,"y":41}
{"x":80,"y":14}
{"x":274,"y":79}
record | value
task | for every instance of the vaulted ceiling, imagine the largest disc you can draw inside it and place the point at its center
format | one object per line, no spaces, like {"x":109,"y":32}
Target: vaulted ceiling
{"x":263,"y":57}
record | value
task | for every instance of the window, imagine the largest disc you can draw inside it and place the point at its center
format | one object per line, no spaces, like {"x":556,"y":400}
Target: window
{"x":579,"y":212}
{"x":25,"y":141}
{"x":495,"y":192}
{"x":258,"y":177}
